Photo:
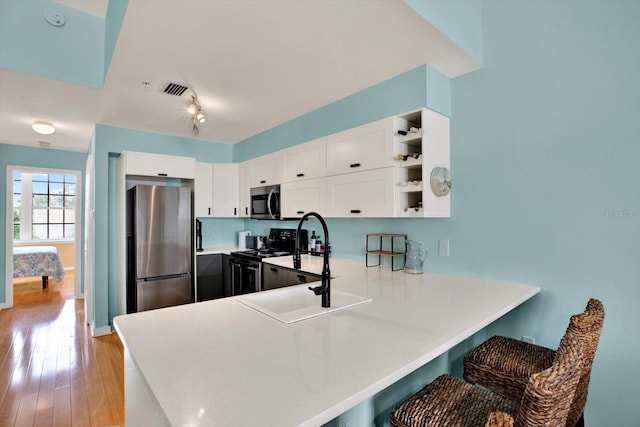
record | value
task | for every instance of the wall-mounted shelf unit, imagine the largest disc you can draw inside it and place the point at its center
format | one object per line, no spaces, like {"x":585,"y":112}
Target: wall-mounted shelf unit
{"x":423,"y":134}
{"x":394,"y":248}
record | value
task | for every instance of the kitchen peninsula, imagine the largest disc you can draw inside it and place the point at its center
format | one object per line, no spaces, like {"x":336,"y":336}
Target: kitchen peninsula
{"x":221,"y":362}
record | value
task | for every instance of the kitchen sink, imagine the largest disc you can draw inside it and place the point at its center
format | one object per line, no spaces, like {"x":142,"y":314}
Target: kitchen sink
{"x":296,"y":303}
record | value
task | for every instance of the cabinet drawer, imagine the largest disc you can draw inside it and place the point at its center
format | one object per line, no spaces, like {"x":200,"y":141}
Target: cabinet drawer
{"x":363,"y":194}
{"x":365,"y":147}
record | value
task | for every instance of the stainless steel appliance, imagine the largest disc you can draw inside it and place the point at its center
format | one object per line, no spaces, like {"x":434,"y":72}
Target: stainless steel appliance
{"x":246,"y":266}
{"x":199,"y":235}
{"x":256,"y":242}
{"x":265,"y":202}
{"x":159,"y":247}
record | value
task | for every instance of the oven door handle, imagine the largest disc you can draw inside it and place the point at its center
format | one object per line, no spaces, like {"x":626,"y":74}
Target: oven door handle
{"x":269,"y":204}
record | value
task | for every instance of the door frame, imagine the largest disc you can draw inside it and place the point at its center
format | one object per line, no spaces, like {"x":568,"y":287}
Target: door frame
{"x":9,"y":227}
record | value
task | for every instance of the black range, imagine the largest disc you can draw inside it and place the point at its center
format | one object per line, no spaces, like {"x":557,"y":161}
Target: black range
{"x":246,"y":265}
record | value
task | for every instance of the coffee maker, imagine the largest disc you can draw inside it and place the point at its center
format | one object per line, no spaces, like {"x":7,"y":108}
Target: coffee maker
{"x":198,"y":235}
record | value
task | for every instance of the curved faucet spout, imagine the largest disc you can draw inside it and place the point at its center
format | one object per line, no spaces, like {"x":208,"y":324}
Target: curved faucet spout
{"x":325,"y":288}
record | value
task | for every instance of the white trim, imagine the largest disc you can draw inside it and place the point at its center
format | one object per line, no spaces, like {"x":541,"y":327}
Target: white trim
{"x":42,"y":242}
{"x":98,"y":332}
{"x":9,"y":225}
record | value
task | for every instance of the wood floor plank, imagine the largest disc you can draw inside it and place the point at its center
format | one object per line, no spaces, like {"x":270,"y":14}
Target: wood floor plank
{"x":52,"y":372}
{"x":26,"y":410}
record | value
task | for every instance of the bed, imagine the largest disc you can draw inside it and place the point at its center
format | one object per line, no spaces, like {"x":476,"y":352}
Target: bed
{"x":42,"y":261}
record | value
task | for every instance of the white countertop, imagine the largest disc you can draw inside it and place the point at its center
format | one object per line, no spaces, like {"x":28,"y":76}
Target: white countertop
{"x":218,"y":250}
{"x":223,"y":363}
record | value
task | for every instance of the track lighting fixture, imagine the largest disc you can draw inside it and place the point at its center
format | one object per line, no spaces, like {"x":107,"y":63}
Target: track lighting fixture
{"x":195,"y":110}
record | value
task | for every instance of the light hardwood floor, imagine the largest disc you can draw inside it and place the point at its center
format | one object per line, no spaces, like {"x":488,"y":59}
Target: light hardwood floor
{"x":52,"y":372}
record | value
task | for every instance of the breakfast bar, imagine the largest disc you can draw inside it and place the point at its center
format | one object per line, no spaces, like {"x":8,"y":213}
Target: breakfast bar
{"x":223,"y":362}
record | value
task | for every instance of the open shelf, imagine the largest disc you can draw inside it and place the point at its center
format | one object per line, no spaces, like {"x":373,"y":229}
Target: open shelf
{"x":390,"y":251}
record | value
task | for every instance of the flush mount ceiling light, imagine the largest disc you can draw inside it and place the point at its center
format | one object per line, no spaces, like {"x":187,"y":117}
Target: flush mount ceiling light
{"x":42,"y":127}
{"x":195,"y":110}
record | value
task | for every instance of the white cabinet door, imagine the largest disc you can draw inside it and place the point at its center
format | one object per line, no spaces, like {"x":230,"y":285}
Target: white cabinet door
{"x":361,"y":148}
{"x":300,"y":197}
{"x":226,"y":187}
{"x":305,"y":161}
{"x":149,"y":164}
{"x":203,"y":193}
{"x":267,"y":169}
{"x":245,"y":170}
{"x":363,"y":194}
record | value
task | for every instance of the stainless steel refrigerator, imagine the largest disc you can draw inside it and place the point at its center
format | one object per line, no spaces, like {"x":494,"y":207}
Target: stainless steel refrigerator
{"x":159,"y":247}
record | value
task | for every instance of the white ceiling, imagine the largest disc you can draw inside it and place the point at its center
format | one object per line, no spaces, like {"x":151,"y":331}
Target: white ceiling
{"x":253,"y":65}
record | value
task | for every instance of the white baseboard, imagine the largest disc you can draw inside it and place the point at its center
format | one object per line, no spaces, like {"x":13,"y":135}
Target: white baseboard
{"x":102,"y":330}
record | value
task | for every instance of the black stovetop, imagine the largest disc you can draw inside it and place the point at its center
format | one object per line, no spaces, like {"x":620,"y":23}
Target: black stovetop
{"x":281,"y":242}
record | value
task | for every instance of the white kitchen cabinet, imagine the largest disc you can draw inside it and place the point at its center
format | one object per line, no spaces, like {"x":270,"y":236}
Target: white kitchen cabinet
{"x":203,"y":194}
{"x":298,"y":198}
{"x":367,"y":194}
{"x":226,"y":187}
{"x":365,"y":147}
{"x":244,"y":172}
{"x":267,"y":169}
{"x":151,"y":164}
{"x":305,"y":161}
{"x":429,"y":138}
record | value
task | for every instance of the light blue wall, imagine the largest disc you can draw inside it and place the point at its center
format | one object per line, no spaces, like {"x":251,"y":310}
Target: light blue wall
{"x":422,"y":86}
{"x":107,"y":144}
{"x":546,"y":180}
{"x":459,"y":20}
{"x":221,"y":232}
{"x":18,"y":155}
{"x":544,"y":155}
{"x":113,"y":23}
{"x":72,"y":53}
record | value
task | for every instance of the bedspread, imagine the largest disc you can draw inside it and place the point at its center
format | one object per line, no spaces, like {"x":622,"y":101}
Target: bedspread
{"x":37,"y":261}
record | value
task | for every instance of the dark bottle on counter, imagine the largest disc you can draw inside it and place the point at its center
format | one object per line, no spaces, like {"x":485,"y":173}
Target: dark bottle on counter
{"x":312,"y":243}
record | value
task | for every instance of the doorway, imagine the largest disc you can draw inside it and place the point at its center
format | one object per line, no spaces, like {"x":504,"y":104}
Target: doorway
{"x":44,"y":207}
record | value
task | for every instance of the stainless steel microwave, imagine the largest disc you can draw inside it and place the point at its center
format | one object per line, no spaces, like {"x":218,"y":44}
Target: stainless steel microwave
{"x":265,"y":202}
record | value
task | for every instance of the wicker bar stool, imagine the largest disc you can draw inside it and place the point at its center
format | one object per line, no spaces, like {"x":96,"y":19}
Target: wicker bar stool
{"x":504,"y":365}
{"x":452,"y":402}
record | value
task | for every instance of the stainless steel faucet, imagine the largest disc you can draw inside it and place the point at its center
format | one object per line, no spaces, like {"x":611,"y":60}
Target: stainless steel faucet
{"x":325,"y":288}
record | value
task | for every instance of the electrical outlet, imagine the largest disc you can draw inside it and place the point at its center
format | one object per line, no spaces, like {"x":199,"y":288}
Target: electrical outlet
{"x":215,"y":232}
{"x":530,"y":340}
{"x":443,"y":247}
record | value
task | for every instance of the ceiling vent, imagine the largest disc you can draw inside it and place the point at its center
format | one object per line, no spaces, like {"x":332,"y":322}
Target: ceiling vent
{"x":175,"y":89}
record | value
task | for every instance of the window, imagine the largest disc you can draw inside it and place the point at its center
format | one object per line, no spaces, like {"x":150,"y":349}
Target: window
{"x":44,"y":206}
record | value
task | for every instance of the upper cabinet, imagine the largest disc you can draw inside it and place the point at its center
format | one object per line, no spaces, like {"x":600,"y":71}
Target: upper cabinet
{"x":150,"y":164}
{"x":366,"y":194}
{"x":226,"y":199}
{"x":423,"y":164}
{"x":301,"y":197}
{"x":216,"y":190}
{"x":203,"y":193}
{"x":244,"y":187}
{"x":267,"y":169}
{"x":361,"y":148}
{"x":305,"y":161}
{"x":394,"y":167}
